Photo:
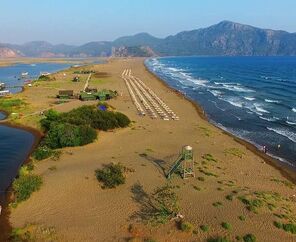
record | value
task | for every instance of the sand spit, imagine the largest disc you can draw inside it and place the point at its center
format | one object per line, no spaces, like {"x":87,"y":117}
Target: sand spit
{"x":72,"y":201}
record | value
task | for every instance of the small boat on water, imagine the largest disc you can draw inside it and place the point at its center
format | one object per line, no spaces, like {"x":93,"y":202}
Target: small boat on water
{"x":24,"y":74}
{"x":2,"y":86}
{"x":4,"y":93}
{"x":45,"y":73}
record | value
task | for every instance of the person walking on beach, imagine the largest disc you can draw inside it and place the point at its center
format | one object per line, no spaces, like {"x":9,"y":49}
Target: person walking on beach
{"x":264,"y":149}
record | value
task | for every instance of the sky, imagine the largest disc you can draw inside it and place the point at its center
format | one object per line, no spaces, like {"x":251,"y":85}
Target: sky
{"x":80,"y":21}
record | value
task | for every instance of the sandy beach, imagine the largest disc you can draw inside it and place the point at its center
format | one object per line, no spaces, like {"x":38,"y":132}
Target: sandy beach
{"x":73,"y":203}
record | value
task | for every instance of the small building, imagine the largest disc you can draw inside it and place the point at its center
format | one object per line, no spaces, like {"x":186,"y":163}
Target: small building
{"x":65,"y":94}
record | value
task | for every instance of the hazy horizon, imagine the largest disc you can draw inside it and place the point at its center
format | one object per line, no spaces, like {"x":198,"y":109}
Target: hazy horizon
{"x":78,"y":22}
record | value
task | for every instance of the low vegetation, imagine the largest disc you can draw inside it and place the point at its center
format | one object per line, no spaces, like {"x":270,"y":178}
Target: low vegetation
{"x":111,"y":175}
{"x":78,"y":127}
{"x":218,"y":239}
{"x":249,"y":238}
{"x":204,"y":228}
{"x":289,"y":227}
{"x":226,"y":225}
{"x":25,"y":185}
{"x":44,"y":152}
{"x":11,"y":105}
{"x":186,"y":227}
{"x":209,"y":157}
{"x":33,"y":232}
{"x":234,"y":152}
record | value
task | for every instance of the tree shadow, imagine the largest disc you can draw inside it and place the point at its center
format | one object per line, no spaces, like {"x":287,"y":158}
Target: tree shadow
{"x":161,"y":165}
{"x":147,"y":209}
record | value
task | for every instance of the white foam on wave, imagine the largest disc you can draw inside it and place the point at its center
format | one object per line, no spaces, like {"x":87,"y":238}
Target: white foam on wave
{"x":269,"y":119}
{"x":233,"y":101}
{"x":291,"y":123}
{"x":271,"y":101}
{"x":235,"y":87}
{"x":215,"y":93}
{"x":250,"y":98}
{"x":294,"y":110}
{"x":284,"y":132}
{"x":259,"y":108}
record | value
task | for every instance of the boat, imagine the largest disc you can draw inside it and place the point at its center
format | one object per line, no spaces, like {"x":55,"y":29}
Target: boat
{"x":23,"y":74}
{"x":45,"y":73}
{"x":2,"y":86}
{"x":4,"y":93}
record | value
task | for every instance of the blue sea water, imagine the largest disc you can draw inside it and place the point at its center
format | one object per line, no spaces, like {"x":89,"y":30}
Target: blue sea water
{"x":253,"y":98}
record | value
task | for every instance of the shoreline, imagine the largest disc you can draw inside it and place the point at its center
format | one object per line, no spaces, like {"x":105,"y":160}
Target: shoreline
{"x":286,"y":170}
{"x":6,"y":197}
{"x":162,"y":143}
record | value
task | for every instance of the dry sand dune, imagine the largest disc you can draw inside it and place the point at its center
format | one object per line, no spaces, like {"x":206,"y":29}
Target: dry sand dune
{"x":72,"y":201}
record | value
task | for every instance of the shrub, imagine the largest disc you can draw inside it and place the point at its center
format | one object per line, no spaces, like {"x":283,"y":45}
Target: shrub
{"x":218,"y":239}
{"x":278,"y":224}
{"x":42,"y":152}
{"x":111,"y":175}
{"x":200,"y":178}
{"x":226,"y":225}
{"x":67,"y":135}
{"x":290,"y":228}
{"x":204,"y":228}
{"x":186,"y":227}
{"x":249,"y":238}
{"x":25,"y":185}
{"x":229,"y":197}
{"x":242,"y":218}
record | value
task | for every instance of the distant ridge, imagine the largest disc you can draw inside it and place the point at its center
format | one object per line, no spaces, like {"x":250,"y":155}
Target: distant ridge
{"x":223,"y":39}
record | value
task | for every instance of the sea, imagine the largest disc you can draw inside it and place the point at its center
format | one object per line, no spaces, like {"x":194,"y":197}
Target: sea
{"x":15,"y":143}
{"x":253,"y":98}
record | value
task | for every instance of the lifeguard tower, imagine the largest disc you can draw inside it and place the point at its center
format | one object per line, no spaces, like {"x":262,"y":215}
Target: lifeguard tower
{"x":184,"y":164}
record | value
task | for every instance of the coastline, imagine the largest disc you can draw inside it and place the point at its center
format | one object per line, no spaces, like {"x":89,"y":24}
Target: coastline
{"x":287,"y":170}
{"x":6,"y":198}
{"x":53,"y":204}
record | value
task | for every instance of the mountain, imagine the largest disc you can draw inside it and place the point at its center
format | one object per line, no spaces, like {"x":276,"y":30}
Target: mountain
{"x":228,"y":38}
{"x":223,"y":39}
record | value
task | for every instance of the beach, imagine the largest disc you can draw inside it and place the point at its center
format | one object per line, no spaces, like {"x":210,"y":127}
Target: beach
{"x":73,"y":203}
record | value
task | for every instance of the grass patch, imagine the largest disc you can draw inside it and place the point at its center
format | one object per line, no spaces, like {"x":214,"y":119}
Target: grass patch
{"x":205,"y":131}
{"x":33,"y":232}
{"x":111,"y":175}
{"x":25,"y":185}
{"x":209,"y":157}
{"x":207,"y":173}
{"x":289,"y":227}
{"x":217,"y":204}
{"x":11,"y":105}
{"x":249,"y":238}
{"x":218,"y":239}
{"x":284,"y":182}
{"x":234,"y":152}
{"x":196,"y":188}
{"x":226,"y":226}
{"x":200,"y":178}
{"x":186,"y":227}
{"x":204,"y":228}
